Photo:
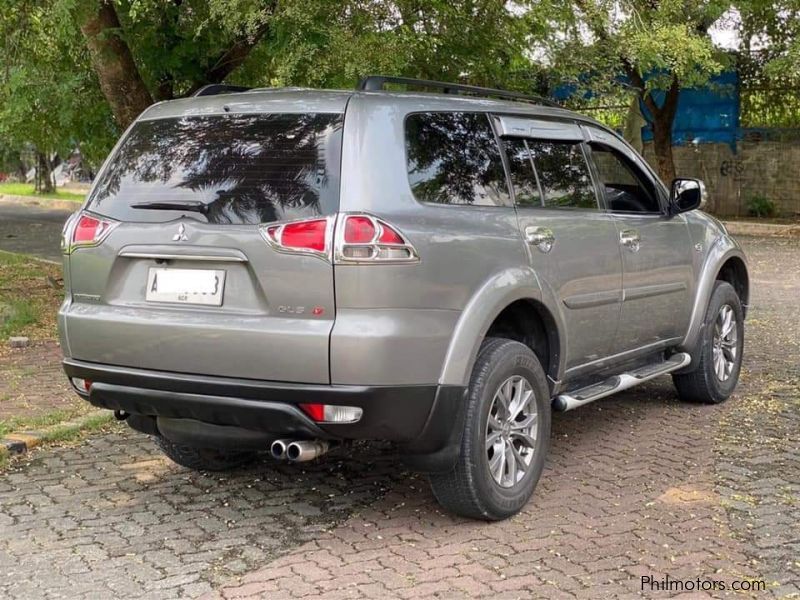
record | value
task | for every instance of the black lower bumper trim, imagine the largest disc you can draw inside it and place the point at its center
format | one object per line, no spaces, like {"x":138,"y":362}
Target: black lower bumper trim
{"x":394,"y":413}
{"x":271,"y":417}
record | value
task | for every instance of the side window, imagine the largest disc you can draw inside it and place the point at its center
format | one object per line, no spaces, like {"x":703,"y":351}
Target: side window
{"x":625,"y":189}
{"x":453,"y":158}
{"x":523,"y":178}
{"x":563,"y":174}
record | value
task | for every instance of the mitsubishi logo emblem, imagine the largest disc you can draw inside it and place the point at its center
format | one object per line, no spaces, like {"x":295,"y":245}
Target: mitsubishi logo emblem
{"x":181,"y":235}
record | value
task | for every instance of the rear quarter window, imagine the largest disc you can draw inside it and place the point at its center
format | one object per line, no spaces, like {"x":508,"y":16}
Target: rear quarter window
{"x":244,"y":169}
{"x":453,"y":158}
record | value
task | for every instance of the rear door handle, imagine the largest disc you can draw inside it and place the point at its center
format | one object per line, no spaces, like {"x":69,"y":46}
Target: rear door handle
{"x":541,"y":237}
{"x":630,"y":239}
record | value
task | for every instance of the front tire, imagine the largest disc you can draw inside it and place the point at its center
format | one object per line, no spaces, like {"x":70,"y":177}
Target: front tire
{"x":506,"y":435}
{"x":203,"y":459}
{"x":720,"y":352}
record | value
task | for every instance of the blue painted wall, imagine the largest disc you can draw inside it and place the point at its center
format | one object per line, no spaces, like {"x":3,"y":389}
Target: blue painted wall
{"x":705,"y":115}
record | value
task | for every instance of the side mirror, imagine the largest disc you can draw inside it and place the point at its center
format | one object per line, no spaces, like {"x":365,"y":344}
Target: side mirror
{"x":687,"y":194}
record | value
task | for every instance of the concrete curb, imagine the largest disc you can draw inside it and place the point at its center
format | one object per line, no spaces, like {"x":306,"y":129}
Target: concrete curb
{"x":754,"y":228}
{"x":52,"y":203}
{"x":22,"y":441}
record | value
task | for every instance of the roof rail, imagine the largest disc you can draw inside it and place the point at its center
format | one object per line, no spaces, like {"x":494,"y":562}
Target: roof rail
{"x":376,"y":83}
{"x":212,"y":89}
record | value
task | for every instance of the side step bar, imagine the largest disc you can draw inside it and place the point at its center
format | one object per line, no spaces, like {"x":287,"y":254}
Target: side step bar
{"x":620,"y":382}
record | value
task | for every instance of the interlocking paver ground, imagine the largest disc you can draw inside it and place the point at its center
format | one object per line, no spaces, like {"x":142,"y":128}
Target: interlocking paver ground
{"x":111,"y":518}
{"x":758,"y":462}
{"x":636,"y":485}
{"x":32,"y":382}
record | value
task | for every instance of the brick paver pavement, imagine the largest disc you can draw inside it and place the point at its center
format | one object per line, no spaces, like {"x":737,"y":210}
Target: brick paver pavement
{"x":636,"y":485}
{"x":32,"y":382}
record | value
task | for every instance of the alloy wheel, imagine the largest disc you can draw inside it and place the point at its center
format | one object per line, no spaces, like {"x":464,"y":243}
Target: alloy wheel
{"x":511,"y":431}
{"x":725,"y":347}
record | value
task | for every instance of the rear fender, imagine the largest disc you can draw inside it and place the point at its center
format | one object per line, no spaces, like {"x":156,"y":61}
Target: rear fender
{"x":496,"y":293}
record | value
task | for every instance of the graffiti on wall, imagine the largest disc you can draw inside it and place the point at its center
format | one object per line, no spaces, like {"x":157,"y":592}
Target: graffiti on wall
{"x":731,"y":167}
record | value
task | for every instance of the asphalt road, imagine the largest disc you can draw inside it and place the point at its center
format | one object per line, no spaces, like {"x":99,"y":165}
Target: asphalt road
{"x":32,"y":230}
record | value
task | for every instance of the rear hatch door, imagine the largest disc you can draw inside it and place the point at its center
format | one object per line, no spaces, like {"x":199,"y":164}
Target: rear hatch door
{"x":183,"y":278}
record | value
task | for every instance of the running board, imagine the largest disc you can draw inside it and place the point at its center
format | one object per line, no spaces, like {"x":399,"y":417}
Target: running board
{"x":620,"y":382}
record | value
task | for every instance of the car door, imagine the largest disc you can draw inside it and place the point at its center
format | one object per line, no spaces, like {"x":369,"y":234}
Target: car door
{"x":572,"y":243}
{"x":656,"y":249}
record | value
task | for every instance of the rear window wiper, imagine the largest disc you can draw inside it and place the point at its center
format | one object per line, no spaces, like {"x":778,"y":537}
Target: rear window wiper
{"x":194,"y":206}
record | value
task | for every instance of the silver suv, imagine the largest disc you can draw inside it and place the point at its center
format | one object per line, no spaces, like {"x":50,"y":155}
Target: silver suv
{"x":286,"y":270}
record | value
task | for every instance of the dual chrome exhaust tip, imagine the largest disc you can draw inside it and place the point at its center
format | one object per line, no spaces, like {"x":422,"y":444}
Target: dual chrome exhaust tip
{"x":298,"y":450}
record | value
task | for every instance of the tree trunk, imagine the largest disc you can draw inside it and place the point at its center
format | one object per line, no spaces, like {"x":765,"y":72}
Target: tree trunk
{"x":662,"y":119}
{"x":233,"y":57}
{"x":662,"y":145}
{"x":21,"y":170}
{"x":44,"y":174}
{"x":120,"y":80}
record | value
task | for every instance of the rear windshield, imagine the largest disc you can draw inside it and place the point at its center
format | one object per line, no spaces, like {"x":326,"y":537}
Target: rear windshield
{"x":230,"y":169}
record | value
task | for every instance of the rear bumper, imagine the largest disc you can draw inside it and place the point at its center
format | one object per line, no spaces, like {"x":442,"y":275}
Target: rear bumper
{"x":421,"y":417}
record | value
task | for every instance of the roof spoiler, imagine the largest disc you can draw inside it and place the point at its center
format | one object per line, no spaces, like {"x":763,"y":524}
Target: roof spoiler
{"x":214,"y":89}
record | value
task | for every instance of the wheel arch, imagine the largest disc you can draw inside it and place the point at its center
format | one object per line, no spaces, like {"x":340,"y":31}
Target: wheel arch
{"x":530,"y":322}
{"x":514,"y":305}
{"x":725,"y":261}
{"x":734,"y":271}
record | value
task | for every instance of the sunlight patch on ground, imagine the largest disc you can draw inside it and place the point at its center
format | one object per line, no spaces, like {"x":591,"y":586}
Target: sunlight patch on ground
{"x":687,"y":495}
{"x":148,"y":470}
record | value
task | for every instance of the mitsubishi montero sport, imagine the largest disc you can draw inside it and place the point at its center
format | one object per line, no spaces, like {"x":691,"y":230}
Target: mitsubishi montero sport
{"x":285,"y":270}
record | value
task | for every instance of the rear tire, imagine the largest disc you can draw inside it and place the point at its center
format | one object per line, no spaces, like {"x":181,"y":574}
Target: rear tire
{"x":720,"y":352}
{"x":203,"y":459}
{"x":502,"y":454}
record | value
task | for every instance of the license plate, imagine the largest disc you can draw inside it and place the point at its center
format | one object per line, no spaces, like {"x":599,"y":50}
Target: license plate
{"x":185,"y":286}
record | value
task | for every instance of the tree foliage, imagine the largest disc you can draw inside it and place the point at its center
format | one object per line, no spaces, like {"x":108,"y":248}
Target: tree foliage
{"x":79,"y":71}
{"x":326,"y":43}
{"x":654,"y":47}
{"x":71,"y":64}
{"x":48,"y":96}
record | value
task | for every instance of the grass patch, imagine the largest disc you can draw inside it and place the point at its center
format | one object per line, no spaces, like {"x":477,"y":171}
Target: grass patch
{"x":30,"y":294}
{"x":70,"y":431}
{"x":59,"y":432}
{"x":27,"y":189}
{"x":15,"y":316}
{"x":55,"y":417}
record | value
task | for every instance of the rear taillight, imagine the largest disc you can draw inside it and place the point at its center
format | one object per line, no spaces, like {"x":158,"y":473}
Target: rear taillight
{"x":359,"y":239}
{"x":85,"y":230}
{"x":310,"y":236}
{"x":367,"y":239}
{"x":328,"y":413}
{"x":359,"y":230}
